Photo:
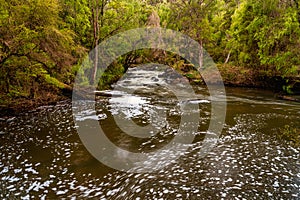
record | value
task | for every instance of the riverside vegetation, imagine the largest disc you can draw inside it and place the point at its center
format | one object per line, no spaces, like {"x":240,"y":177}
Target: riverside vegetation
{"x":43,"y":42}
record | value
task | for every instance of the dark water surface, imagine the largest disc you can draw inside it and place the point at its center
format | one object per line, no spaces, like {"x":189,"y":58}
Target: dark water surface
{"x":41,"y":155}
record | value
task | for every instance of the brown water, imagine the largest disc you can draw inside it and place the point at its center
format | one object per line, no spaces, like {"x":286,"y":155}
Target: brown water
{"x":43,"y":157}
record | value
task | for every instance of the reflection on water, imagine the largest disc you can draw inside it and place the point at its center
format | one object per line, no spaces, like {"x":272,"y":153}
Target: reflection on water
{"x":43,"y":157}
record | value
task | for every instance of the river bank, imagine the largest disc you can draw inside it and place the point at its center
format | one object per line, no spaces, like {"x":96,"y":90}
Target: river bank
{"x":14,"y":107}
{"x":19,"y":106}
{"x":233,"y":77}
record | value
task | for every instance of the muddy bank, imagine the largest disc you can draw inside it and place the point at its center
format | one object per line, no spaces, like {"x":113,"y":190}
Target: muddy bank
{"x":14,"y":107}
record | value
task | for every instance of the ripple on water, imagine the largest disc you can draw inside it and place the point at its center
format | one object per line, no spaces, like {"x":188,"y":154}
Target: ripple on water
{"x":42,"y":157}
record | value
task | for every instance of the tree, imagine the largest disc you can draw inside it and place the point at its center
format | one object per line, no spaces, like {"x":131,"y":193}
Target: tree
{"x":111,"y":17}
{"x":266,"y":36}
{"x":194,"y":19}
{"x":77,"y":14}
{"x":35,"y":49}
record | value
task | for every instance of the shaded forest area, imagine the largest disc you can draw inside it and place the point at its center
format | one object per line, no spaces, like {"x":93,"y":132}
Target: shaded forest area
{"x":255,"y":43}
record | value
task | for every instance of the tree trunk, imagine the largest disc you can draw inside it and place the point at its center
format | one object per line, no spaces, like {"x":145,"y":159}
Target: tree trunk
{"x":201,"y":55}
{"x":228,"y":57}
{"x":95,"y":11}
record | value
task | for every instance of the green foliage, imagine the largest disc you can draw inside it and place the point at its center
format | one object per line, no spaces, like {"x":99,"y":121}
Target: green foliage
{"x":111,"y":75}
{"x":79,"y":70}
{"x":195,"y":19}
{"x":54,"y":81}
{"x":76,"y":14}
{"x":266,"y":36}
{"x":43,"y":42}
{"x":121,"y":15}
{"x":290,"y":134}
{"x":287,"y":89}
{"x":33,"y":43}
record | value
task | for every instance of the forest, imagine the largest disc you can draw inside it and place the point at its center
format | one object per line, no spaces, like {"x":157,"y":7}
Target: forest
{"x":151,"y":121}
{"x":255,"y":43}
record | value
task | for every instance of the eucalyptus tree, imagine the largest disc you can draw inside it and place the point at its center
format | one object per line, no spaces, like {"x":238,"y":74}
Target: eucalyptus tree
{"x":194,"y":18}
{"x":266,"y":36}
{"x":35,"y":48}
{"x":107,"y":18}
{"x":77,"y":17}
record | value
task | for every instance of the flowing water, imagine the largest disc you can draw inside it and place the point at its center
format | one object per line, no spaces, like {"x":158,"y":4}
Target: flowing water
{"x":42,"y":156}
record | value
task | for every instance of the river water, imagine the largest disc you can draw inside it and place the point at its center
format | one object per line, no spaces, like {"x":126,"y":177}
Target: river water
{"x":42,"y":156}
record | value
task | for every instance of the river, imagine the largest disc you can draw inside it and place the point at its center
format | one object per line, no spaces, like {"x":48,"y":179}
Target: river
{"x":42,"y":156}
